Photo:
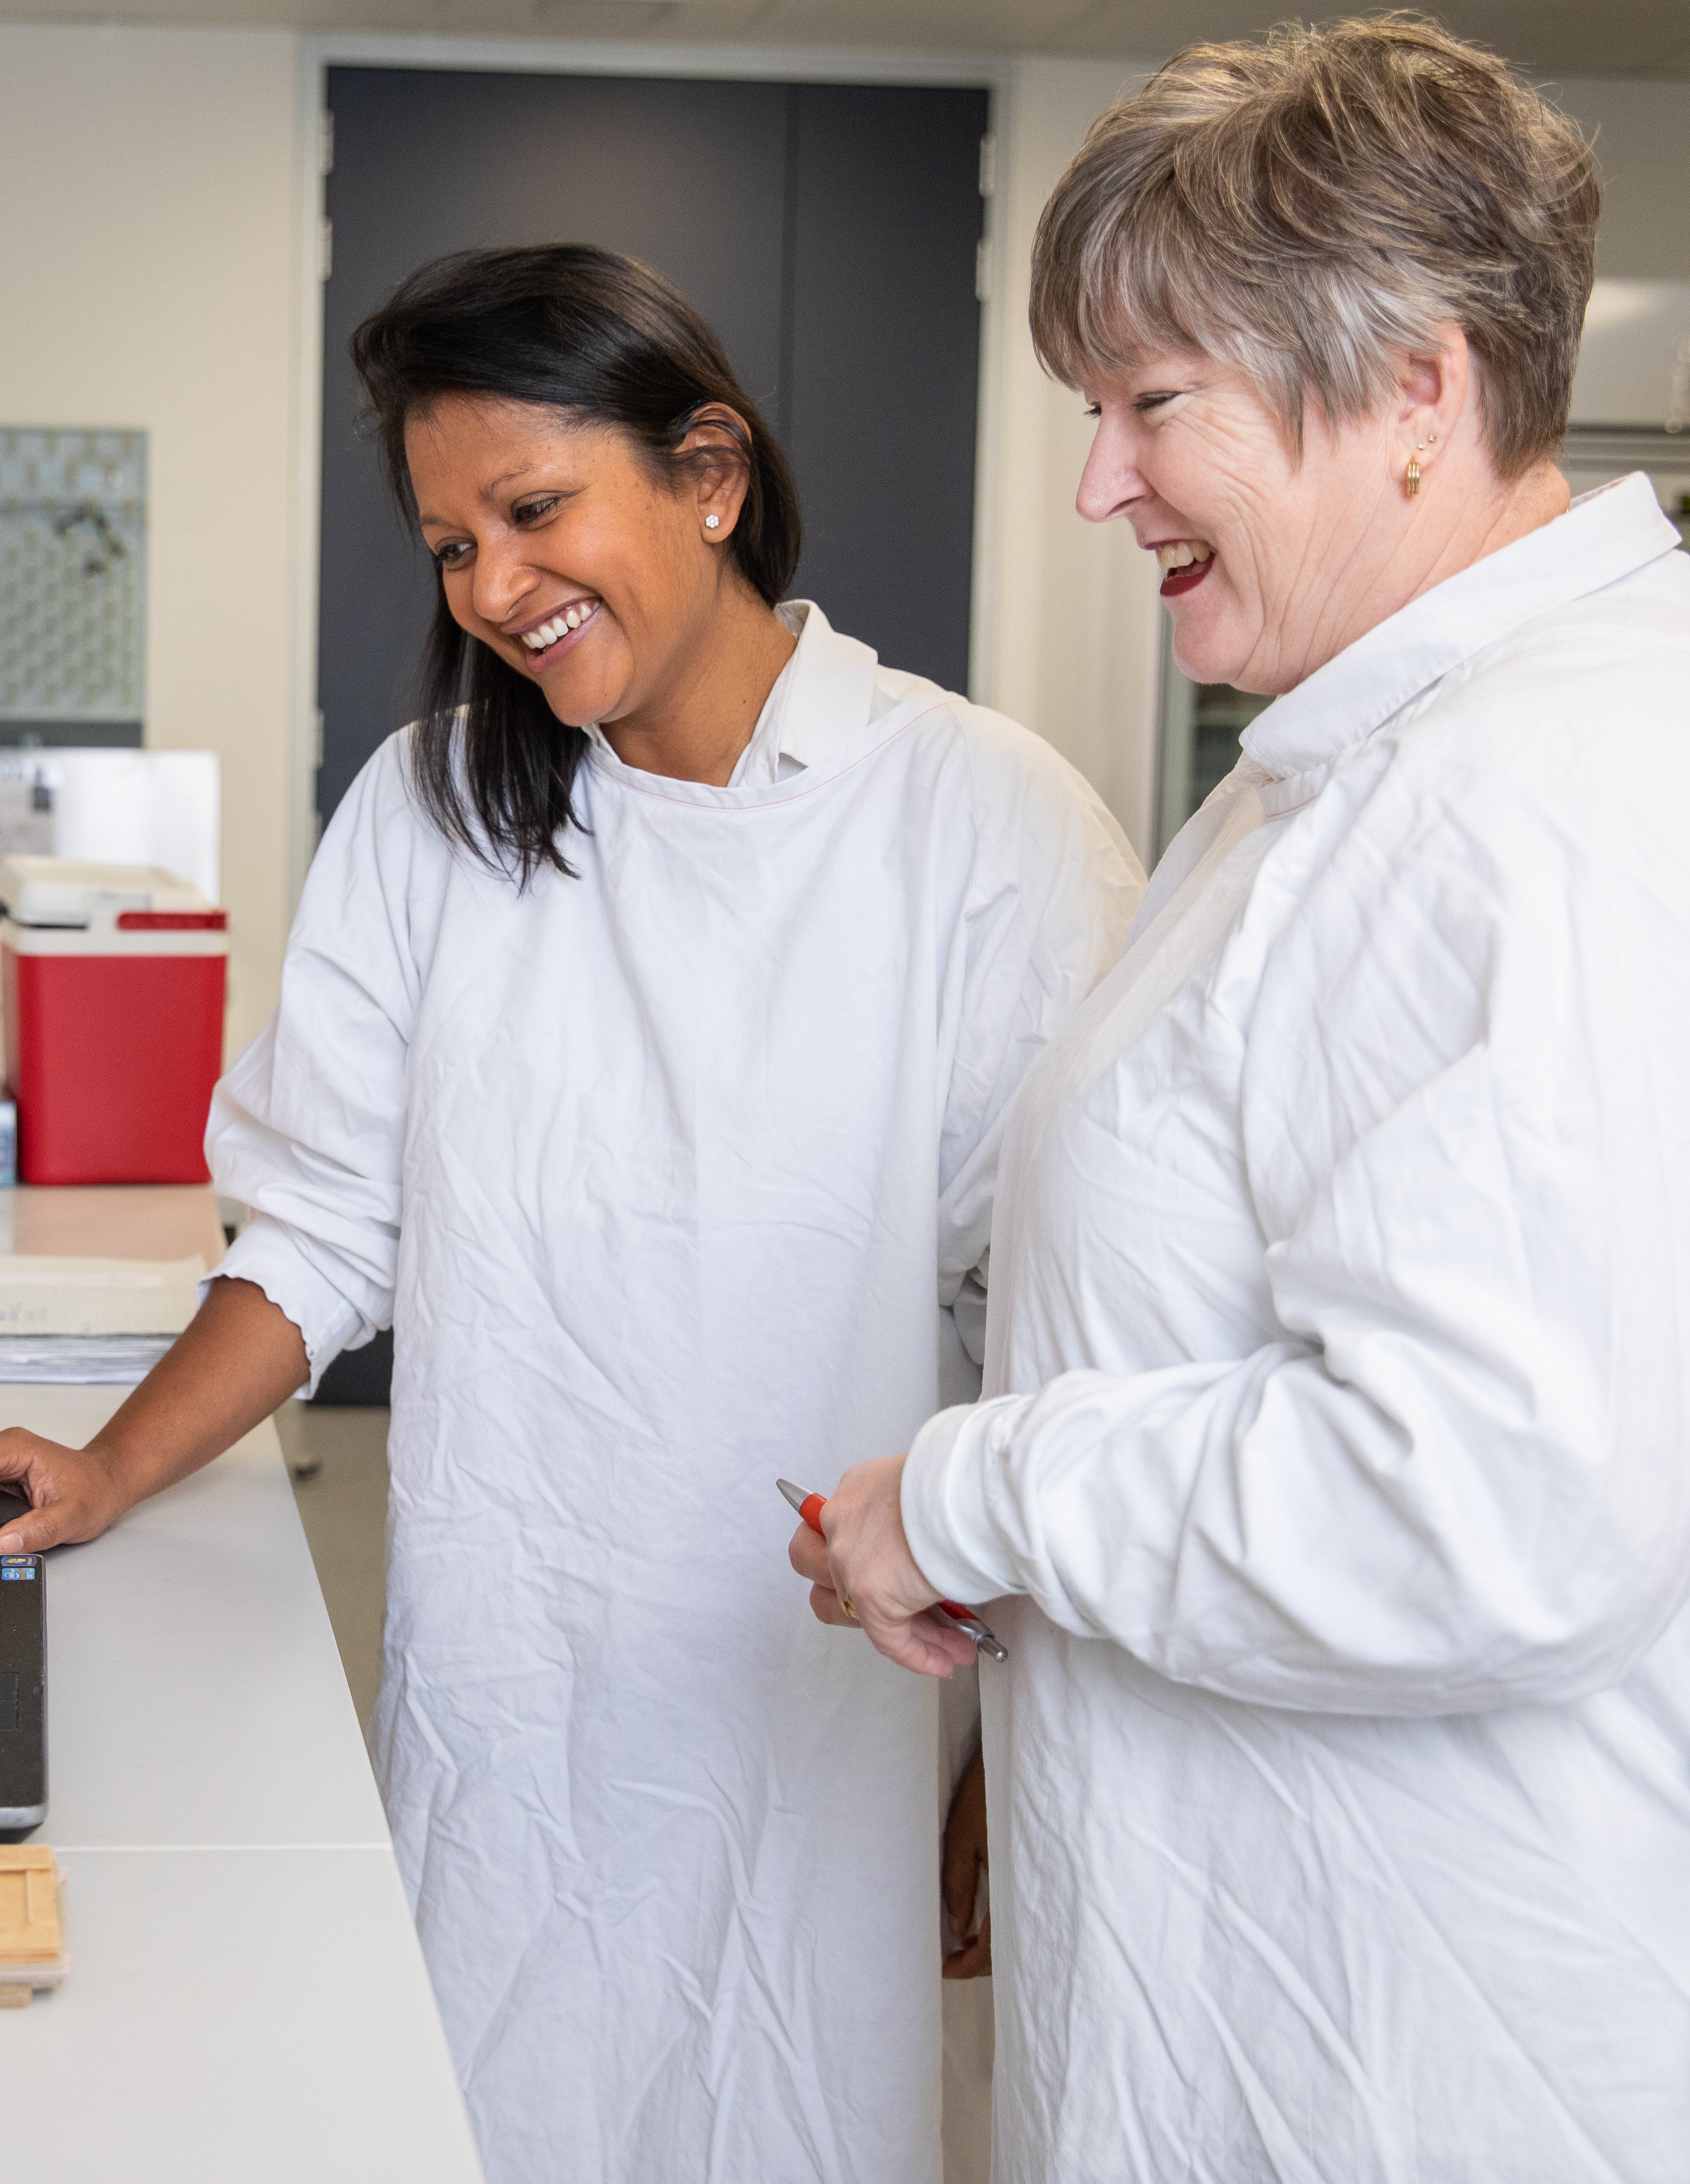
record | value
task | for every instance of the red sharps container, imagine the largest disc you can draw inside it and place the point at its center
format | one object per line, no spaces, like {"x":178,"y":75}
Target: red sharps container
{"x":113,"y":978}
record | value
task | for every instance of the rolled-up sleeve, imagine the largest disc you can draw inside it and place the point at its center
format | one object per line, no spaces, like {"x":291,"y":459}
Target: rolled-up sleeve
{"x":307,"y":1128}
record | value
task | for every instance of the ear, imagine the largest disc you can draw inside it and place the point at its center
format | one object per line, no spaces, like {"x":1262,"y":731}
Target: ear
{"x":717,"y":448}
{"x":1434,"y":390}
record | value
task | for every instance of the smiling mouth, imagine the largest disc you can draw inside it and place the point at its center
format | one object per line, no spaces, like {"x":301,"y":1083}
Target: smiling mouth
{"x":548,"y":641}
{"x":1184,"y":563}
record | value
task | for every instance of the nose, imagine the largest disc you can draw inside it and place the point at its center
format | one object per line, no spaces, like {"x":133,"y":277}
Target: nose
{"x":502,"y":578}
{"x":1110,"y":483}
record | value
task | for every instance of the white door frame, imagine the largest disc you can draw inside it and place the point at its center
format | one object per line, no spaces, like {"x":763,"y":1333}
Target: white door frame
{"x":992,"y":72}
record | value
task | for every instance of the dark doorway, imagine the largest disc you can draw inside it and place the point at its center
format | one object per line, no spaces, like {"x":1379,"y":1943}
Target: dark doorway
{"x":827,"y":231}
{"x":830,"y":233}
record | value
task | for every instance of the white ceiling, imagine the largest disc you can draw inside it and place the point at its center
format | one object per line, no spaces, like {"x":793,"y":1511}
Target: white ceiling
{"x":1552,"y":37}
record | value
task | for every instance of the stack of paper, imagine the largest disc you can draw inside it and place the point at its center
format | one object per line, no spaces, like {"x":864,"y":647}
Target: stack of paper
{"x":102,"y":1320}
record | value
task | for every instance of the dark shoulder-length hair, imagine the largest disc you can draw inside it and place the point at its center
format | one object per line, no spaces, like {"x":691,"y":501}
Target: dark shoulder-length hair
{"x":608,"y":342}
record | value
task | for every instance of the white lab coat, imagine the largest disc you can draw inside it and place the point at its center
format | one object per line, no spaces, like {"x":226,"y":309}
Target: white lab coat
{"x":1340,"y":1327}
{"x":669,"y":1178}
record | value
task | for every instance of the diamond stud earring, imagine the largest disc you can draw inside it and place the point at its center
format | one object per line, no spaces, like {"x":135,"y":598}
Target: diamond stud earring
{"x":711,"y":522}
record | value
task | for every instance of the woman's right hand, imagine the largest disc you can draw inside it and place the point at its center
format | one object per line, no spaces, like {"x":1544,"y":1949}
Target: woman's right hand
{"x":965,"y":1862}
{"x":239,"y":1357}
{"x":73,"y":1493}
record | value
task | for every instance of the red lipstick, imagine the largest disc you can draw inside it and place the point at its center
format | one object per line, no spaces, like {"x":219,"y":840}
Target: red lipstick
{"x":1186,"y":579}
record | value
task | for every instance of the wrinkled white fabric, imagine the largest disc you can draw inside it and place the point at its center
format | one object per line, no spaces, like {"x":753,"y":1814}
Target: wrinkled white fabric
{"x":1338,"y":1336}
{"x":668,"y":1177}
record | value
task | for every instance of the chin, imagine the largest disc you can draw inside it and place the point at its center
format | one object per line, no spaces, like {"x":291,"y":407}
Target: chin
{"x":1210,"y":654}
{"x":1203,"y":662}
{"x":576,"y":703}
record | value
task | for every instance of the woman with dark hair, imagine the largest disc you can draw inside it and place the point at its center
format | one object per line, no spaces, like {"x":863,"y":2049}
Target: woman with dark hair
{"x":645,"y":1032}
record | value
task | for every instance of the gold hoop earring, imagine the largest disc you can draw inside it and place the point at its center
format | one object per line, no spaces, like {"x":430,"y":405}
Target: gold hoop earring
{"x":1411,"y":478}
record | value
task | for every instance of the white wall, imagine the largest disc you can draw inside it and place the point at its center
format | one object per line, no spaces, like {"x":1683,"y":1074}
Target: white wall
{"x":150,"y":268}
{"x":147,"y":279}
{"x":1069,"y":612}
{"x":1642,"y":146}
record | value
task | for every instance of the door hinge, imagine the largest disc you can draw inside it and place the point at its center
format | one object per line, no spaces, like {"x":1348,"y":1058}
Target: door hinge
{"x":325,"y":141}
{"x":983,"y":270}
{"x":988,"y":165}
{"x":324,"y":248}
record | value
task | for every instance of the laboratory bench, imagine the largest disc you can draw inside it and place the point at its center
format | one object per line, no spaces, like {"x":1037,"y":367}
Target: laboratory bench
{"x":246,"y":1999}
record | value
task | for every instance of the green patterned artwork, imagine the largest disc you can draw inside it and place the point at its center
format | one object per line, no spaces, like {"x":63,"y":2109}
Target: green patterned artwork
{"x":73,"y":546}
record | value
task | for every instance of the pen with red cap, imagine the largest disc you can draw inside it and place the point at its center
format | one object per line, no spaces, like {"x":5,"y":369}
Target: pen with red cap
{"x":809,"y":1508}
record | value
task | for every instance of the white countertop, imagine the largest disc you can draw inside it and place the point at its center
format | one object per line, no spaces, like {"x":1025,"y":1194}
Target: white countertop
{"x":247,"y":2000}
{"x":195,"y":1695}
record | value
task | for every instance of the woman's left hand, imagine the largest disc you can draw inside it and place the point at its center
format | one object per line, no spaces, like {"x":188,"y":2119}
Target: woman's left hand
{"x":861,"y":1556}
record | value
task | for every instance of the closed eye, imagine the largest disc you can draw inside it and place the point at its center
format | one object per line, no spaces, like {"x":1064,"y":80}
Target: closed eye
{"x":1143,"y":404}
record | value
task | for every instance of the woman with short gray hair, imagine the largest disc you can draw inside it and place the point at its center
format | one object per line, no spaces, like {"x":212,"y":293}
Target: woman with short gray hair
{"x":1332,"y":1484}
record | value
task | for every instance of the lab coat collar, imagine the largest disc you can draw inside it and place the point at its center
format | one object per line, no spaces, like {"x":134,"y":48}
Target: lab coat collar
{"x":821,"y":698}
{"x":1605,"y":535}
{"x":828,"y":687}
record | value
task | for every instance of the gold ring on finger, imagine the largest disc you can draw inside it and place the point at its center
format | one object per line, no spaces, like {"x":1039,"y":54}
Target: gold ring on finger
{"x":846,"y":1603}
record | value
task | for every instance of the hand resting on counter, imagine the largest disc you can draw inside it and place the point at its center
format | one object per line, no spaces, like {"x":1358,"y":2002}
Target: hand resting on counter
{"x":237,"y":1359}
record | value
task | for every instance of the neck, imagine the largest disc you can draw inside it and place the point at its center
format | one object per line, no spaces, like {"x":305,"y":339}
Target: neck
{"x":696,"y":727}
{"x":1467,"y":513}
{"x":1488,"y":522}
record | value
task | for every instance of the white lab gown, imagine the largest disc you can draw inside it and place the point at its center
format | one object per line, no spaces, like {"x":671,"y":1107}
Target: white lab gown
{"x":1340,"y":1331}
{"x":668,"y":1177}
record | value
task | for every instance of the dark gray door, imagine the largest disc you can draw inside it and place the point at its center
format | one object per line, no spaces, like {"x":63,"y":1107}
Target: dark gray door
{"x":827,"y":231}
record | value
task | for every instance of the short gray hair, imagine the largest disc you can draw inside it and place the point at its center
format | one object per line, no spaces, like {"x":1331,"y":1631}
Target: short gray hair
{"x":1305,"y":206}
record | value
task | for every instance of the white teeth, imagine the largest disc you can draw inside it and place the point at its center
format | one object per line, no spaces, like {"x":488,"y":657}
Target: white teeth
{"x":1180,"y":553}
{"x":548,"y":633}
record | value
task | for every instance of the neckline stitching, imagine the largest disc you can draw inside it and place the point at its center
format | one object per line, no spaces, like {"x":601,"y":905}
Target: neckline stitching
{"x":773,"y":804}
